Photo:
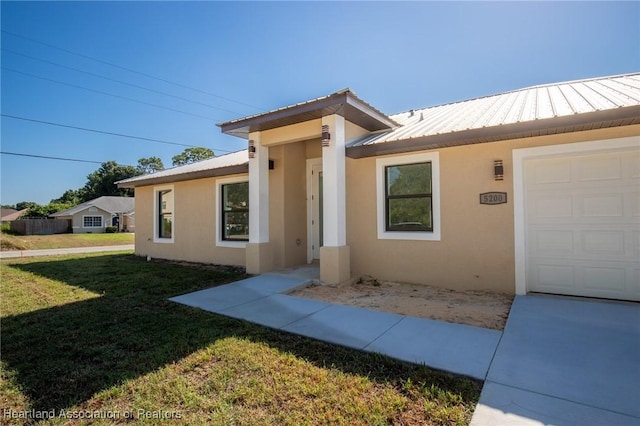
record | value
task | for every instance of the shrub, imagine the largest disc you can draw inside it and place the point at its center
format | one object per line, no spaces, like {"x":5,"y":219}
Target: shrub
{"x":111,"y":229}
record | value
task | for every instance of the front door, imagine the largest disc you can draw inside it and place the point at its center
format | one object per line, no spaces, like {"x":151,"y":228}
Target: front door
{"x":315,"y":208}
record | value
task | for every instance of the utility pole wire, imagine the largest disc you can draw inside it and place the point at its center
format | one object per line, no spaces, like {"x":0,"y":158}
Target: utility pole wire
{"x":133,"y":71}
{"x":108,"y":94}
{"x":53,"y":158}
{"x":50,"y":123}
{"x":119,"y":81}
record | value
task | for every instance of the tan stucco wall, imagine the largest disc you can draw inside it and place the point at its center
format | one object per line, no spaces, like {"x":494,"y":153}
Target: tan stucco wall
{"x":305,"y":131}
{"x":476,"y":250}
{"x":194,"y":225}
{"x":287,"y":201}
{"x":292,"y":133}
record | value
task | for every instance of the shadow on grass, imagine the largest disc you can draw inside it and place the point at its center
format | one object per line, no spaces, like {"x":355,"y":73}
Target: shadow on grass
{"x":64,"y":354}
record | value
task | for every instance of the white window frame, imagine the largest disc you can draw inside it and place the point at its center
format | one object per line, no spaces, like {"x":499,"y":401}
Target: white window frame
{"x":156,"y":213}
{"x":219,"y":241}
{"x":93,"y":215}
{"x":381,"y":165}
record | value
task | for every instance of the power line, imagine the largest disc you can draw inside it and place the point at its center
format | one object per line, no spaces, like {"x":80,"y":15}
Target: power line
{"x":133,"y":71}
{"x":107,"y":94}
{"x":50,"y":123}
{"x":119,"y":81}
{"x":50,"y":158}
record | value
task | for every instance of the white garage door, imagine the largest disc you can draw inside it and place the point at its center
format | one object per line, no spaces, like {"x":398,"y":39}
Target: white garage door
{"x":583,"y":224}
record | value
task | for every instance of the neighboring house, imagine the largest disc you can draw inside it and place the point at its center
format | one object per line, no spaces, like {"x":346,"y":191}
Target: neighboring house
{"x":12,"y":214}
{"x":95,"y":215}
{"x":535,"y":190}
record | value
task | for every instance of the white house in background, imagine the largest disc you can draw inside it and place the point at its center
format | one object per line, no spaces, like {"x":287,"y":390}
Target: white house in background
{"x":94,"y":216}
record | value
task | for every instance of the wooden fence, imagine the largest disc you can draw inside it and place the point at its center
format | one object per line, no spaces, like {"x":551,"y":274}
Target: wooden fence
{"x":41,"y":226}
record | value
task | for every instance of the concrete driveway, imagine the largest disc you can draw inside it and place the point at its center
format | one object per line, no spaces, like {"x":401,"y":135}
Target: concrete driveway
{"x":565,"y":361}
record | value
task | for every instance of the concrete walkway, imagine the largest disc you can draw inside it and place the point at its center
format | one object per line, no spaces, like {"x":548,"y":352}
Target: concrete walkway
{"x":54,"y":252}
{"x":559,"y":361}
{"x":456,"y":348}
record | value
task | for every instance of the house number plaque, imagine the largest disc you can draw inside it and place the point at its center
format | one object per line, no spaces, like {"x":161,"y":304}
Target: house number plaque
{"x":492,"y":198}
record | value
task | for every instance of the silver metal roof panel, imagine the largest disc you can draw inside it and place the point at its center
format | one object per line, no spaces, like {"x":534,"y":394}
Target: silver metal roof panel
{"x":233,"y":163}
{"x":540,"y":106}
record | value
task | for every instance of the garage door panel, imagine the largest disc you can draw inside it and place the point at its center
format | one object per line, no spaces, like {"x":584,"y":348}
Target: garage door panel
{"x":605,"y":279}
{"x":583,"y":224}
{"x":631,"y":164}
{"x":552,"y":206}
{"x":634,"y":284}
{"x":604,"y":243}
{"x":599,"y":204}
{"x":634,"y":204}
{"x":598,"y":168}
{"x":551,"y":172}
{"x":551,"y":276}
{"x":553,"y":241}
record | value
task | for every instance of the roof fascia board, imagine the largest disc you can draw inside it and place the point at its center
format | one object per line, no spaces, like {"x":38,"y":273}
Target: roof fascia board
{"x":201,"y":174}
{"x":367,"y":109}
{"x":567,"y":124}
{"x":292,"y":111}
{"x":339,"y":99}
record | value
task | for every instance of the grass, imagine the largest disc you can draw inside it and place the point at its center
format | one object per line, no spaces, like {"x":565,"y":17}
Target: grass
{"x":39,"y":242}
{"x":95,"y":334}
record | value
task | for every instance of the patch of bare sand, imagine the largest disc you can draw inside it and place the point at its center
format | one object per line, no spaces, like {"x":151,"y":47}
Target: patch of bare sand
{"x":477,"y":308}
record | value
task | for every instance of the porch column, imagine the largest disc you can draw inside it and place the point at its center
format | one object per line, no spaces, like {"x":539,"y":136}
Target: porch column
{"x":259,"y":256}
{"x":335,"y":265}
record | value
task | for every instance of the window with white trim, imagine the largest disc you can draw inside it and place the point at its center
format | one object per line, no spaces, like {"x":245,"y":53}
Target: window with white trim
{"x":408,"y":197}
{"x":164,"y":219}
{"x":92,"y":221}
{"x":235,"y":211}
{"x":232,"y":212}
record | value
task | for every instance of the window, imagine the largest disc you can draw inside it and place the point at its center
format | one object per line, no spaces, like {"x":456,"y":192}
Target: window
{"x":164,"y":209}
{"x":92,"y":221}
{"x":408,"y":197}
{"x":235,"y":211}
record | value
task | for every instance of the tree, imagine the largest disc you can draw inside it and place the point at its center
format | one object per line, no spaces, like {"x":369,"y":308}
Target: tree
{"x":191,"y":155}
{"x":36,"y":210}
{"x":25,"y":205}
{"x":70,"y":196}
{"x":150,"y":165}
{"x":102,"y":181}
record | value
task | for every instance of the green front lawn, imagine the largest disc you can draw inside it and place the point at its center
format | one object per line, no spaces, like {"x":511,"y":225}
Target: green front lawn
{"x":39,"y":242}
{"x":95,"y":334}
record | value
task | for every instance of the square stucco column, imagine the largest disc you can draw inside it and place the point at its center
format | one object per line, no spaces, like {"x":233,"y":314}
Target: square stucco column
{"x":258,"y":256}
{"x":335,"y":265}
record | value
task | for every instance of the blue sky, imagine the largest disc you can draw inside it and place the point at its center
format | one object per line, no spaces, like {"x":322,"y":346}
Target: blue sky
{"x":260,"y":56}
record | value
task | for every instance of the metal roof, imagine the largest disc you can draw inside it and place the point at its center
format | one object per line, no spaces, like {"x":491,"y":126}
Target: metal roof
{"x":109,"y":204}
{"x":546,"y":109}
{"x":343,"y":102}
{"x":540,"y":110}
{"x":235,"y":162}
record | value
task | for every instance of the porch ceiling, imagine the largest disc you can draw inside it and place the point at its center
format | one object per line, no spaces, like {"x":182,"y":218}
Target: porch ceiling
{"x":344,"y":103}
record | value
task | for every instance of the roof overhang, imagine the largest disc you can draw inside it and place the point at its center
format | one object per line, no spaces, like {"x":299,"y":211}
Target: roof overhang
{"x":200,"y":174}
{"x":344,"y":103}
{"x":572,"y":123}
